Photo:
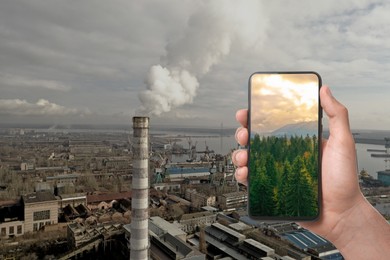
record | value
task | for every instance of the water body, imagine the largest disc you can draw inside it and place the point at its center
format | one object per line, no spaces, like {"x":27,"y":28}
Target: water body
{"x":223,"y":145}
{"x":365,"y":161}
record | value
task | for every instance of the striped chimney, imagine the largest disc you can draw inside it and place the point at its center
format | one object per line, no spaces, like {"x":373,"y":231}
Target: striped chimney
{"x":139,"y":240}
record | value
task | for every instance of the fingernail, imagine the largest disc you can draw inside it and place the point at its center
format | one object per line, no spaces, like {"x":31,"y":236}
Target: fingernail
{"x":328,"y":91}
{"x":237,"y":133}
{"x":238,"y":172}
{"x":238,"y":156}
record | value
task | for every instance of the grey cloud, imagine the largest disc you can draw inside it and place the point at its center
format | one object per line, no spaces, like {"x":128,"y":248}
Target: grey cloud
{"x":97,"y":54}
{"x":41,"y":108}
{"x":18,"y":81}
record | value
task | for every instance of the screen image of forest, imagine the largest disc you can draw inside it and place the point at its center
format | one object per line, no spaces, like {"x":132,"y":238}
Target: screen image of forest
{"x":283,"y":176}
{"x":283,"y":151}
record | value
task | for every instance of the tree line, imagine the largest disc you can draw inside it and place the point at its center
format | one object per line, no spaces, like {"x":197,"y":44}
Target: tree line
{"x":283,"y":176}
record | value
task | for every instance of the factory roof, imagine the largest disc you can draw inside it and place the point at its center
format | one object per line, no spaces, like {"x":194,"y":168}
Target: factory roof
{"x":177,"y":245}
{"x":304,"y":239}
{"x":72,"y":196}
{"x":223,"y":247}
{"x":165,"y":227}
{"x":209,"y":208}
{"x":196,"y":215}
{"x":63,"y":176}
{"x":239,"y":226}
{"x":108,"y":197}
{"x":307,"y":240}
{"x":5,"y":203}
{"x":96,"y":198}
{"x":385,"y":172}
{"x":40,"y":196}
{"x":233,"y":194}
{"x":286,"y":257}
{"x":259,"y":245}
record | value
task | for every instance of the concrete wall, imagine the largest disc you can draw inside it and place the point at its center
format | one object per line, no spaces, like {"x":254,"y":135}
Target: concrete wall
{"x":6,"y":229}
{"x":29,"y":210}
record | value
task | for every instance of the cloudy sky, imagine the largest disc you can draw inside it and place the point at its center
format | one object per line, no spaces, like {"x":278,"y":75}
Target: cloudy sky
{"x":184,"y":62}
{"x":281,"y":99}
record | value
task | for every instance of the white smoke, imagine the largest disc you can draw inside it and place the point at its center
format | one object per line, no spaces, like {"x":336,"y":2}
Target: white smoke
{"x":167,"y":89}
{"x":208,"y":38}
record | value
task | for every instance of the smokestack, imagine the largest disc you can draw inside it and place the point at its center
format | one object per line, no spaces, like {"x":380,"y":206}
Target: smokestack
{"x":139,"y":240}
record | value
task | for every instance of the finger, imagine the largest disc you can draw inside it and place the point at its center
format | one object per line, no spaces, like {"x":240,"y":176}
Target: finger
{"x":240,"y":157}
{"x":242,"y":136}
{"x":337,"y":113}
{"x":242,"y":117}
{"x":241,"y":175}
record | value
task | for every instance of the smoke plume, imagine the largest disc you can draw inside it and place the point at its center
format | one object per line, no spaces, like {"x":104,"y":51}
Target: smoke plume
{"x":211,"y":31}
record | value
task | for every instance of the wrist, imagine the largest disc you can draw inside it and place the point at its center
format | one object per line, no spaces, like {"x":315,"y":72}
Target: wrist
{"x":362,"y":231}
{"x":349,"y":224}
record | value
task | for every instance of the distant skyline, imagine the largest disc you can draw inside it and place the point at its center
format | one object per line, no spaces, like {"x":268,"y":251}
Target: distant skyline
{"x":184,"y":62}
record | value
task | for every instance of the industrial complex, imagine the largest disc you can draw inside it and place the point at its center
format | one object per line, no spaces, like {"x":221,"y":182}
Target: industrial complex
{"x":138,"y":195}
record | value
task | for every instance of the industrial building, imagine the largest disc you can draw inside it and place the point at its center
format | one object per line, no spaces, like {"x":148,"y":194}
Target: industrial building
{"x":11,"y":219}
{"x":36,"y":210}
{"x":384,"y":177}
{"x":79,"y":234}
{"x":198,"y":199}
{"x":40,"y":209}
{"x":167,"y":241}
{"x":193,"y":221}
{"x":255,"y":249}
{"x":312,"y":243}
{"x":186,"y":171}
{"x":233,"y":200}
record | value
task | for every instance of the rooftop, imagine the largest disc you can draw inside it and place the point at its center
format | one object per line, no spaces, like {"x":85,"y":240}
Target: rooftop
{"x":40,"y":196}
{"x":234,"y":194}
{"x":165,"y":227}
{"x":108,"y":197}
{"x":196,"y":215}
{"x":4,"y":203}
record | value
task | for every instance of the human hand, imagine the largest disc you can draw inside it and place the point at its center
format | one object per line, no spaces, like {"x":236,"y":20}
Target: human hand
{"x":341,"y":196}
{"x":347,"y":219}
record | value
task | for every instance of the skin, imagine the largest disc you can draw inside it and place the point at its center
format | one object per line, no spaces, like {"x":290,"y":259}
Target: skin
{"x":347,"y":219}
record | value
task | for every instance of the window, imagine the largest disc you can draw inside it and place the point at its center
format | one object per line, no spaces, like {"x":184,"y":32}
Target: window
{"x":3,"y":232}
{"x":35,"y":227}
{"x":19,"y":229}
{"x":41,"y":215}
{"x":11,"y":230}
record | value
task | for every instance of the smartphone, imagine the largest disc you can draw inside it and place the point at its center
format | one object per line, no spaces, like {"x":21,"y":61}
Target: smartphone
{"x":284,"y":162}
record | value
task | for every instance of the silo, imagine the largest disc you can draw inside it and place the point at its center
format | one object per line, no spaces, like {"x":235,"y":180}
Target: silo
{"x":139,"y":240}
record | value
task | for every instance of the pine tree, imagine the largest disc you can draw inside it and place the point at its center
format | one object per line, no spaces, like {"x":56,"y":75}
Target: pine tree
{"x":261,"y":191}
{"x":282,"y":190}
{"x":270,"y":167}
{"x":301,"y":199}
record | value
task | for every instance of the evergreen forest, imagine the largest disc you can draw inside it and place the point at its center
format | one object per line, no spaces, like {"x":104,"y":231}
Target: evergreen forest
{"x":283,"y":176}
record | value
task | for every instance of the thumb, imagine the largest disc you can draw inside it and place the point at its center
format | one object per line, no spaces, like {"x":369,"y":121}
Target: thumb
{"x":336,"y":112}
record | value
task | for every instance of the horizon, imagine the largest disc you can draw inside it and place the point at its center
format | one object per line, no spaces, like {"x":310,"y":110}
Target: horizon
{"x":20,"y":124}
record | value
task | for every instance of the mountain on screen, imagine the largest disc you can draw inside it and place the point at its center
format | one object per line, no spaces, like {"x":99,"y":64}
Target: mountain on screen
{"x":298,"y":129}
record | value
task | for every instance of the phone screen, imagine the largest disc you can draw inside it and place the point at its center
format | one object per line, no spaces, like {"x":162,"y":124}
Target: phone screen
{"x":285,"y":144}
